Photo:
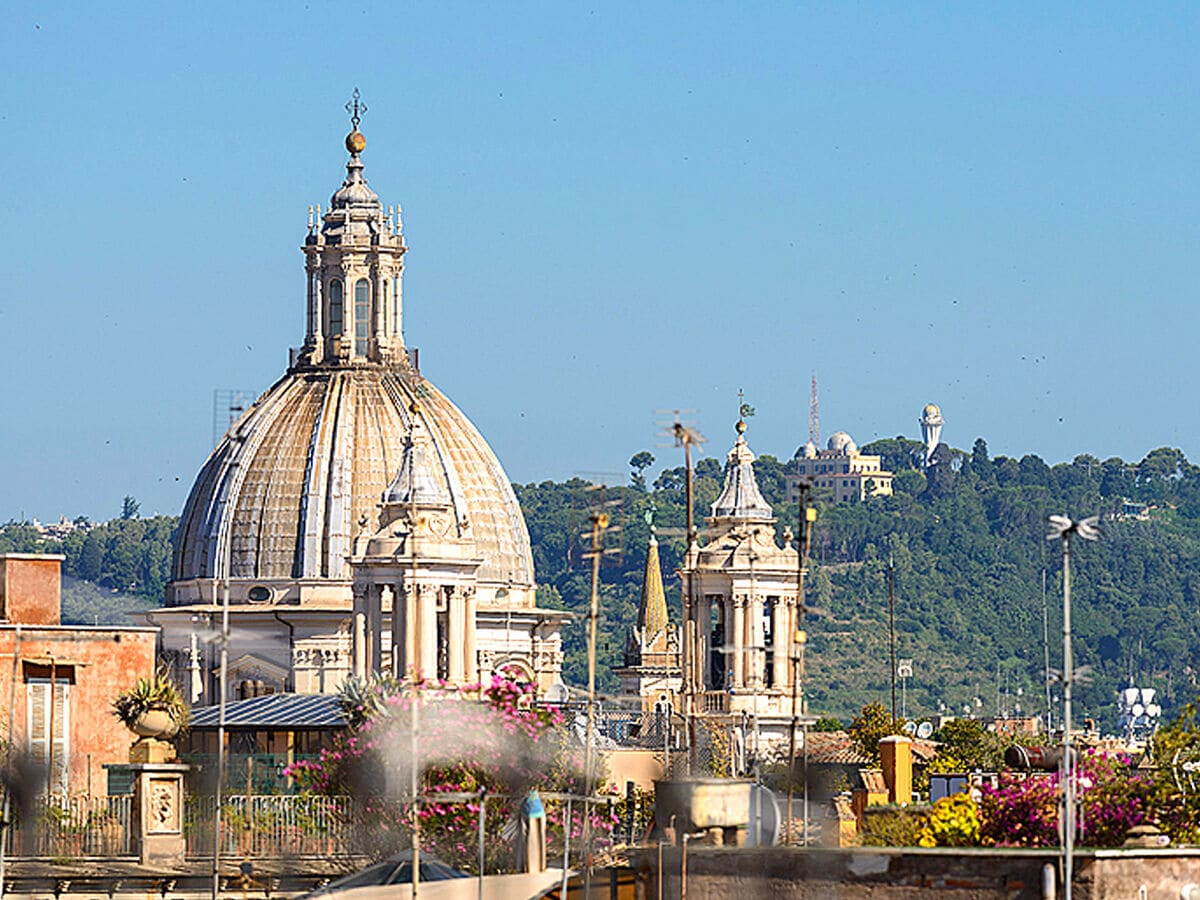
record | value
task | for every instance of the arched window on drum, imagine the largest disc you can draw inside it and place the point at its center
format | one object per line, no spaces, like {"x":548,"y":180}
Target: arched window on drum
{"x":362,"y":317}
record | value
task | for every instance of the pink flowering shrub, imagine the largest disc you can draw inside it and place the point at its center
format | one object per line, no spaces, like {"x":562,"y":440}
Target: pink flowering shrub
{"x":1112,"y":799}
{"x":490,"y":738}
{"x":1019,"y":812}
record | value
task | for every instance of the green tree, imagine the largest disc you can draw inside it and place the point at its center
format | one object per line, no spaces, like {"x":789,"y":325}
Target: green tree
{"x":129,"y":508}
{"x":872,"y":724}
{"x":639,"y":462}
{"x":967,"y":745}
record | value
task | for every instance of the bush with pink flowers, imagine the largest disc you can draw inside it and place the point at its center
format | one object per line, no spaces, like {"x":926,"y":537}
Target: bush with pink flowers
{"x":483,"y":738}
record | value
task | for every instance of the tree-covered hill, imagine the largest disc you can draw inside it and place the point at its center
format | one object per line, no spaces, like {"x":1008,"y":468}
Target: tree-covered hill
{"x":111,"y":569}
{"x":969,"y":551}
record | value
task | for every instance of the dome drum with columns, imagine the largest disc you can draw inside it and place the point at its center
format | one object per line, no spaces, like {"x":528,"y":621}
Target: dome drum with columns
{"x":351,"y":482}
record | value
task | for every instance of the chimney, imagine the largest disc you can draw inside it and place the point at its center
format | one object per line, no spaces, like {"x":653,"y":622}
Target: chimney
{"x":31,"y":588}
{"x":895,"y":754}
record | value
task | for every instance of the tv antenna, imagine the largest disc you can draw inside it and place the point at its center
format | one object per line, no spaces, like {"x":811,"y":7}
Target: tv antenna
{"x":814,"y":420}
{"x":594,"y":492}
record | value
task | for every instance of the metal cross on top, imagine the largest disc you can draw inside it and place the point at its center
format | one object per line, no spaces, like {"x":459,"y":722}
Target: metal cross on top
{"x":355,"y":107}
{"x":745,"y":410}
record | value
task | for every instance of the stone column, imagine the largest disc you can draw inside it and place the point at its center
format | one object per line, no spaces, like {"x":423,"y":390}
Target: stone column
{"x":703,"y":639}
{"x":400,"y":657}
{"x":374,"y":631}
{"x":378,"y":301}
{"x":318,"y":316}
{"x":471,"y":612}
{"x":456,"y":638}
{"x":737,"y":645}
{"x":779,"y":637}
{"x":359,"y":635}
{"x":362,"y":630}
{"x":158,"y":813}
{"x":755,"y":640}
{"x":397,"y":305}
{"x":688,"y":664}
{"x":345,"y":346}
{"x":412,"y":644}
{"x":427,"y":594}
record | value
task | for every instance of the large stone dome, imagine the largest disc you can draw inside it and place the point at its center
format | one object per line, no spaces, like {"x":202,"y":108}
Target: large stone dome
{"x":291,"y":484}
{"x":277,"y":506}
{"x":353,"y":521}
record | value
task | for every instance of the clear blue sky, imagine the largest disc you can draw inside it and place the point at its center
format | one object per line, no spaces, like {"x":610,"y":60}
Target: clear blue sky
{"x":611,"y":210}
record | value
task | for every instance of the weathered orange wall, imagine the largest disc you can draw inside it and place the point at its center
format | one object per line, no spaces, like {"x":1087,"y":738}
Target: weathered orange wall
{"x":642,"y":767}
{"x":30,"y":588}
{"x":105,"y":662}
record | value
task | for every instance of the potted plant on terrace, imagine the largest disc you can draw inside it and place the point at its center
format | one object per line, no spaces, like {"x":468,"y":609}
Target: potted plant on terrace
{"x":155,"y":711}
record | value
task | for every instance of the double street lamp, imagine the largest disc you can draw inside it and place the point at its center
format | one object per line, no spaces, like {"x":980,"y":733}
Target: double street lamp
{"x":1063,"y":529}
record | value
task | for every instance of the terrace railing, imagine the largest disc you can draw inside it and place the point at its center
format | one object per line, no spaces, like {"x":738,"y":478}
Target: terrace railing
{"x":271,"y":826}
{"x":72,"y":828}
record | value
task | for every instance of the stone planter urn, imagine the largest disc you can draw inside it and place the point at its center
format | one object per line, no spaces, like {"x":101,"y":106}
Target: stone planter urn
{"x":155,"y":723}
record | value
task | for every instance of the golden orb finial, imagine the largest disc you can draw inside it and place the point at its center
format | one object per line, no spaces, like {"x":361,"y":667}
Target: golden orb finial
{"x":355,"y":140}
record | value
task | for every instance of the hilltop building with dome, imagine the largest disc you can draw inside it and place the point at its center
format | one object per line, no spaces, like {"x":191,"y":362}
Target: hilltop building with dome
{"x":357,"y":519}
{"x":848,"y":475}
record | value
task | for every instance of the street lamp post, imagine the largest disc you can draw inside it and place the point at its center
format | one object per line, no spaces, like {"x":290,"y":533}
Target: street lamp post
{"x":1062,"y":529}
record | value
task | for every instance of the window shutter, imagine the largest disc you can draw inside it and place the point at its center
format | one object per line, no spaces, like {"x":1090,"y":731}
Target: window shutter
{"x":38,"y":694}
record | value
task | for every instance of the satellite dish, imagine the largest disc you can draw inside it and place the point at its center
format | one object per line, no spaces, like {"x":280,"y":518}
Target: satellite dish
{"x":910,"y":728}
{"x":258,"y":594}
{"x":925,"y":730}
{"x":1153,"y":710}
{"x":1137,"y":710}
{"x":557,"y":693}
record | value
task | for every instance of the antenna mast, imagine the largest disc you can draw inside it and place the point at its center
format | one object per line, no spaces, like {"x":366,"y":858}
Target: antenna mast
{"x":814,"y":419}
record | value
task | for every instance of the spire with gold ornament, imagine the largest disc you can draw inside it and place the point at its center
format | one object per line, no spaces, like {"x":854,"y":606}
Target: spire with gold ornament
{"x":740,"y":498}
{"x":652,"y":611}
{"x":355,"y":253}
{"x":652,"y":654}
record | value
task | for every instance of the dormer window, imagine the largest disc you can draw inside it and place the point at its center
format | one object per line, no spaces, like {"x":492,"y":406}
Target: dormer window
{"x":335,"y":308}
{"x":362,"y":317}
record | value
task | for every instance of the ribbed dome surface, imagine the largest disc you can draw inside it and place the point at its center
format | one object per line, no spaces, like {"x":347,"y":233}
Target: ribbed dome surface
{"x":282,"y":494}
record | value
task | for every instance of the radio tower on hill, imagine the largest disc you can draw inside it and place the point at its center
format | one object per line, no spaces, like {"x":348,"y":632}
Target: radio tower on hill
{"x":814,"y":420}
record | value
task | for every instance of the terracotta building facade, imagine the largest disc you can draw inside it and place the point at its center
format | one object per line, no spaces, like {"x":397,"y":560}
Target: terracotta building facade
{"x":58,"y":681}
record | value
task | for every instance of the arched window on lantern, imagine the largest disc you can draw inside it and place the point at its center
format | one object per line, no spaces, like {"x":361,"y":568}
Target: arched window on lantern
{"x":362,"y":316}
{"x":335,"y":308}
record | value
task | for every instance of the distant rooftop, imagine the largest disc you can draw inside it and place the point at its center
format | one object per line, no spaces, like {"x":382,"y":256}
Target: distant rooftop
{"x":275,"y":711}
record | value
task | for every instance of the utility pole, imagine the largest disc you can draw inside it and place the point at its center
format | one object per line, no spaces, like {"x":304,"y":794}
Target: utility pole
{"x":224,"y":677}
{"x":800,"y":637}
{"x":599,"y":524}
{"x":1062,"y":528}
{"x":1046,"y":654}
{"x":693,"y":635}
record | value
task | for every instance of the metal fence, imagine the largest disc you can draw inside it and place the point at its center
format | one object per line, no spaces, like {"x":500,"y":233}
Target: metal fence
{"x":464,"y":830}
{"x":72,"y":828}
{"x":271,"y":826}
{"x":262,"y":771}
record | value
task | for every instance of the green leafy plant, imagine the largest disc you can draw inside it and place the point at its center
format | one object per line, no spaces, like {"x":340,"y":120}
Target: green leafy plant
{"x":894,"y":826}
{"x":870,"y":726}
{"x":156,"y":693}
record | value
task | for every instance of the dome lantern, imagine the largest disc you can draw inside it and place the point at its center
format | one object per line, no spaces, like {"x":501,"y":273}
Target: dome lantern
{"x":355,"y":264}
